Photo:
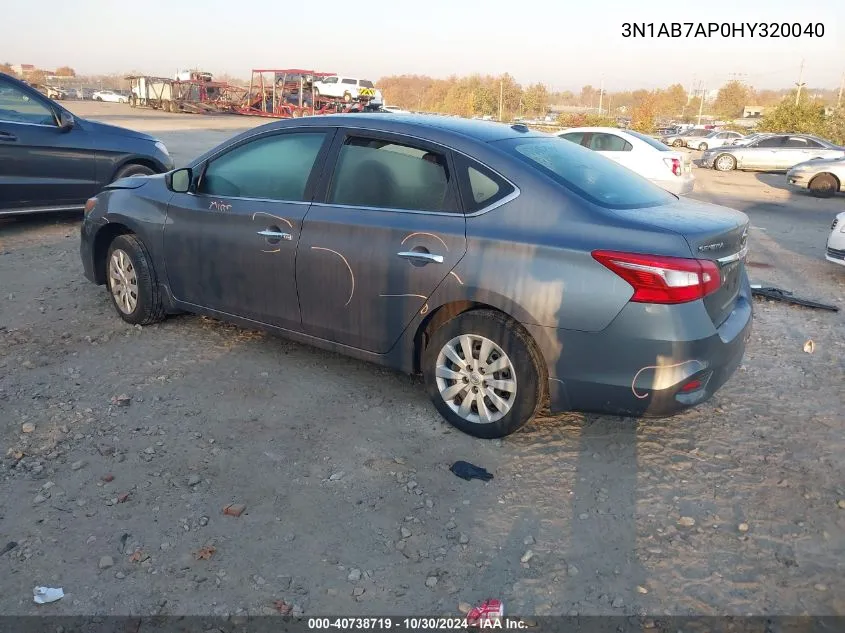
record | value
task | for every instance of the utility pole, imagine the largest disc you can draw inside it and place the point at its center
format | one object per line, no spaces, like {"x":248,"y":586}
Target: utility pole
{"x":701,"y":106}
{"x":841,"y":86}
{"x":601,"y":94}
{"x":501,"y":96}
{"x":799,"y":84}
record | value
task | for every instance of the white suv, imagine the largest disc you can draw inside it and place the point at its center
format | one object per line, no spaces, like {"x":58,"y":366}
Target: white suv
{"x":347,"y":88}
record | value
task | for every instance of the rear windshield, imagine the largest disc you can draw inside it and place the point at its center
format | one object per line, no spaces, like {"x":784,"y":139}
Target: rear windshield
{"x":651,"y":141}
{"x":587,"y":173}
{"x":364,"y":83}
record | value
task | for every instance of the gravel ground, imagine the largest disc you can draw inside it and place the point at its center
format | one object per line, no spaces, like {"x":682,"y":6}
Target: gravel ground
{"x":122,"y":445}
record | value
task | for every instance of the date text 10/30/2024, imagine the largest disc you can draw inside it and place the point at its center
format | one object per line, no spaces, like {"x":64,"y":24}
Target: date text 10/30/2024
{"x":791,"y":30}
{"x":413,"y":624}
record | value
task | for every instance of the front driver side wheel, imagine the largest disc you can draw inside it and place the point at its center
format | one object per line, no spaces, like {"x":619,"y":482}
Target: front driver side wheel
{"x":483,"y":373}
{"x":132,"y":283}
{"x":725,"y":162}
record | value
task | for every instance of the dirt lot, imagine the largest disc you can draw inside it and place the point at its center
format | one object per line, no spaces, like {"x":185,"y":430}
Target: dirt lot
{"x":343,"y":467}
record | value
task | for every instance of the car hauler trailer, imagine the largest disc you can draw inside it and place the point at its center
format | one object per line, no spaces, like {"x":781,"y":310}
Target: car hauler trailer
{"x":288,"y":93}
{"x":195,"y":95}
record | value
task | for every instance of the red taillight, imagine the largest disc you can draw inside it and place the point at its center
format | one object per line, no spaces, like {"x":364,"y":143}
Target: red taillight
{"x":674,"y":164}
{"x":692,"y":385}
{"x":661,"y":279}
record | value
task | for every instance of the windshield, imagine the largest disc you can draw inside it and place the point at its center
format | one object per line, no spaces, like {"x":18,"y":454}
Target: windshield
{"x":651,"y":141}
{"x":587,"y":173}
{"x":712,"y":135}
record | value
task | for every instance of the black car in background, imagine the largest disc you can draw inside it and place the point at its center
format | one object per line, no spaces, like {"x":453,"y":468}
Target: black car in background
{"x":53,"y":161}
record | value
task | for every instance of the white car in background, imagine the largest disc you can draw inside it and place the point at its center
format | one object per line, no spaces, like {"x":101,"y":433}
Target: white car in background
{"x":348,"y":89}
{"x":111,"y":96}
{"x":643,"y":154}
{"x":714,"y":139}
{"x":836,"y":241}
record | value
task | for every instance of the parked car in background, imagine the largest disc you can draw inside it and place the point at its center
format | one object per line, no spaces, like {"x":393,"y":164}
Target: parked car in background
{"x":824,"y":177}
{"x":679,"y":138}
{"x":112,"y":96}
{"x":746,"y":140}
{"x":468,"y":251}
{"x":347,"y":88}
{"x":81,"y":93}
{"x":710,"y":140}
{"x":669,"y":169}
{"x":777,"y":152}
{"x":836,"y":241}
{"x":54,"y":161}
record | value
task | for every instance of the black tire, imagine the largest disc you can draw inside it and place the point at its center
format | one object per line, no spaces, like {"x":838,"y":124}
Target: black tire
{"x":526,"y":361}
{"x":149,"y":307}
{"x":133,"y":170}
{"x":824,"y":185}
{"x":677,"y":143}
{"x":723,"y":164}
{"x":347,"y":97}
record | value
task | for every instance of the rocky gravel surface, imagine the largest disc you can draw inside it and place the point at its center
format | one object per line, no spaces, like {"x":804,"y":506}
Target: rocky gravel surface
{"x":193,"y":467}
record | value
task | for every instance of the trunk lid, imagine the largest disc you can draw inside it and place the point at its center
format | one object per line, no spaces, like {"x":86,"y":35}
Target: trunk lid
{"x":713,"y":232}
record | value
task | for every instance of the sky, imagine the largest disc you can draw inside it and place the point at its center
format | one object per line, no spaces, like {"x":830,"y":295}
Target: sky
{"x":564,"y":44}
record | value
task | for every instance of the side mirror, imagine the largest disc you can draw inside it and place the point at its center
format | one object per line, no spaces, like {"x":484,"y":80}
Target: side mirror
{"x":179,"y":181}
{"x":66,"y":121}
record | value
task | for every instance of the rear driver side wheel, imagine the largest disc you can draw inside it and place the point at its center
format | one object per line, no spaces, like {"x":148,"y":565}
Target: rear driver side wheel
{"x":483,"y":373}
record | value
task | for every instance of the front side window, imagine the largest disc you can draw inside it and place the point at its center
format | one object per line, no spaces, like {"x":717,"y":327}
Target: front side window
{"x":389,"y":175}
{"x":588,"y":174}
{"x":330,"y":80}
{"x":796,"y":142}
{"x":771,"y":141}
{"x":602,"y":142}
{"x":271,"y":168}
{"x":17,"y":106}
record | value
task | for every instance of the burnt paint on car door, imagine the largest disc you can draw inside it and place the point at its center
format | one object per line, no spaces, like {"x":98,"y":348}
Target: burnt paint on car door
{"x":42,"y":165}
{"x":387,"y":232}
{"x":230,"y":245}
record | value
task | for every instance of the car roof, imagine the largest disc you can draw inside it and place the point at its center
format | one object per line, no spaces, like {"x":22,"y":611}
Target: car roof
{"x":483,"y":131}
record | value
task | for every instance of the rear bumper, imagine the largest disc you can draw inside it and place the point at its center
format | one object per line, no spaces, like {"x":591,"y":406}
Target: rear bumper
{"x":680,"y":186}
{"x":641,"y":363}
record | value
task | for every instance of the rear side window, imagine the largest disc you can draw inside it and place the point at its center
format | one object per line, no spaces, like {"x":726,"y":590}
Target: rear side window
{"x":602,"y":142}
{"x":348,"y":81}
{"x":480,"y":186}
{"x":650,"y":141}
{"x":269,"y":168}
{"x":384,"y":174}
{"x":588,"y":174}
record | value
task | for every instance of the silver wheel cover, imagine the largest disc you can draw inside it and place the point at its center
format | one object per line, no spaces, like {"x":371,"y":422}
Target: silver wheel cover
{"x":476,"y":379}
{"x":123,"y":282}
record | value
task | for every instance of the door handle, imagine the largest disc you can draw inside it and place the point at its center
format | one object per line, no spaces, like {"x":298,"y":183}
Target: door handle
{"x":275,"y":234}
{"x":8,"y":137}
{"x":422,"y":257}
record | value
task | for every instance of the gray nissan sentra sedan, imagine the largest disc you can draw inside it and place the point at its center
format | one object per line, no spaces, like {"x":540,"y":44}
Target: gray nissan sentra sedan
{"x":504,"y":265}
